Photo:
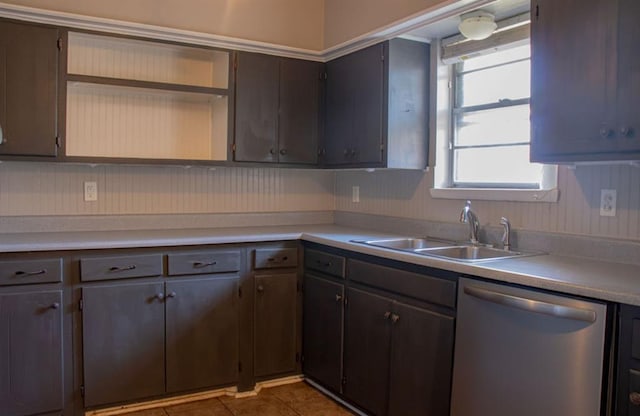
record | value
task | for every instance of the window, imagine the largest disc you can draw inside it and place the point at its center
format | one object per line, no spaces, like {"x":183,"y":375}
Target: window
{"x":490,"y":114}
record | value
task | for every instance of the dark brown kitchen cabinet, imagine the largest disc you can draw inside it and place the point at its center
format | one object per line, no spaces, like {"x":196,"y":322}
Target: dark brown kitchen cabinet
{"x":366,"y":350}
{"x":322,"y":331}
{"x":31,"y":353}
{"x":627,"y":402}
{"x":584,"y":80}
{"x":377,"y":107}
{"x":276,"y":323}
{"x":123,"y":342}
{"x":143,"y":340}
{"x":28,"y":89}
{"x":412,"y":349}
{"x":202,"y":332}
{"x":277,"y":109}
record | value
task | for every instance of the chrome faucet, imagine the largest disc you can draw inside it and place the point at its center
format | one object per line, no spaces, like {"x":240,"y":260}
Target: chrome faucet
{"x":470,"y":218}
{"x":506,"y":237}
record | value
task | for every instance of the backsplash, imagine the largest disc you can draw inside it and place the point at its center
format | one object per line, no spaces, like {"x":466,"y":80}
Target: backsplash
{"x":49,"y":189}
{"x":405,"y":194}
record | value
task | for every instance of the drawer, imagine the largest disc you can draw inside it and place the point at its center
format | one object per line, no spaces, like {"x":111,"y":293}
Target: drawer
{"x":120,"y":267}
{"x":24,"y":272}
{"x":419,"y":286}
{"x":273,"y":258}
{"x":324,"y":262}
{"x":204,"y":262}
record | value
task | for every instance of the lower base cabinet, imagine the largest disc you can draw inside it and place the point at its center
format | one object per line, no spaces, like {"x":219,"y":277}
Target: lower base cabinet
{"x":397,"y":357}
{"x":31,"y":353}
{"x":628,"y":374}
{"x":128,"y":327}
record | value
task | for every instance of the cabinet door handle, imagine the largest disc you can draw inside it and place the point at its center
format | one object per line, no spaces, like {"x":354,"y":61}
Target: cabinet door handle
{"x":199,"y":264}
{"x":626,"y":131}
{"x":338,"y":298}
{"x":260,"y":288}
{"x":606,"y":132}
{"x":387,"y":315}
{"x":395,"y":318}
{"x":3,"y":139}
{"x":33,"y":273}
{"x":634,"y":398}
{"x":55,"y":305}
{"x":272,"y":151}
{"x":116,"y":269}
{"x":160,"y":296}
{"x":283,"y":152}
{"x":172,"y":295}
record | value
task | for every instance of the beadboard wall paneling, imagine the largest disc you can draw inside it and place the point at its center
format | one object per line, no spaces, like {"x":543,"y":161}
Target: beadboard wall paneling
{"x":57,"y":189}
{"x":405,"y":194}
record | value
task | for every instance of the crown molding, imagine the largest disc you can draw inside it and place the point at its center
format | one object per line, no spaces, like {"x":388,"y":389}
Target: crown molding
{"x":442,"y":10}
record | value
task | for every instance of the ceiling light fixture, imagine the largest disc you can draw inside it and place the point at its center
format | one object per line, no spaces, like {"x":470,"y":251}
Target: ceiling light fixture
{"x":477,"y":25}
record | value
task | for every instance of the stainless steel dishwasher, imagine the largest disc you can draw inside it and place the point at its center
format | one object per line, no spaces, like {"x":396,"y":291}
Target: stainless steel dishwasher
{"x":526,"y":353}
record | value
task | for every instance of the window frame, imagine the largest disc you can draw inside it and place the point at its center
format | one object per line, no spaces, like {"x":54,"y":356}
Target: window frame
{"x":457,"y":110}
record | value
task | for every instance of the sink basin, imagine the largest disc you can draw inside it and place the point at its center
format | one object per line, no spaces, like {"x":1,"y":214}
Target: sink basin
{"x":409,"y":244}
{"x":469,"y":253}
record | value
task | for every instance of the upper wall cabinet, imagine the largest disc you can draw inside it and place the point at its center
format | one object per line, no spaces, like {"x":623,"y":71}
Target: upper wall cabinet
{"x":28,"y":89}
{"x":377,"y":107}
{"x":277,"y":109}
{"x":135,"y":99}
{"x":585,"y":81}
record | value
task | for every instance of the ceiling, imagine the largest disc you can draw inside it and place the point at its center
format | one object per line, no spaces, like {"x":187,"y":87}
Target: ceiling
{"x":449,"y":26}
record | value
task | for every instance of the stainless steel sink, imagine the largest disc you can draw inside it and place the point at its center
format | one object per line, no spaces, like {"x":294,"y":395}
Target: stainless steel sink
{"x":409,"y":244}
{"x":445,"y":249}
{"x":471,"y":253}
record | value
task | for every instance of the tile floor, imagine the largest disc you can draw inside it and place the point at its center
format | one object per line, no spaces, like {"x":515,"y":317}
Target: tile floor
{"x":298,"y":399}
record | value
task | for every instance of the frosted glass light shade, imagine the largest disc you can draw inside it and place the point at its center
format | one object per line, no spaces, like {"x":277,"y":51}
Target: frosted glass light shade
{"x":477,"y":25}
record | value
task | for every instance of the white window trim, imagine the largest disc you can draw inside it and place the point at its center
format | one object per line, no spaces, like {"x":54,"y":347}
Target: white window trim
{"x":441,"y":112}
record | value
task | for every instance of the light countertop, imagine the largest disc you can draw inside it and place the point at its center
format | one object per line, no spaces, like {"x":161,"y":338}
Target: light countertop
{"x":572,"y":275}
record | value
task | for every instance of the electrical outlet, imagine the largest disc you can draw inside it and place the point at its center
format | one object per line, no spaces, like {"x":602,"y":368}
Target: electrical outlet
{"x":90,"y":191}
{"x":608,"y":199}
{"x":355,"y":194}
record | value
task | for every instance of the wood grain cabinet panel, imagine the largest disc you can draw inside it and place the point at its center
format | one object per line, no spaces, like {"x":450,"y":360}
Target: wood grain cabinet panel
{"x":584,"y":83}
{"x":202,"y":332}
{"x":28,"y":89}
{"x":275,"y":324}
{"x":277,"y":109}
{"x":31,"y":353}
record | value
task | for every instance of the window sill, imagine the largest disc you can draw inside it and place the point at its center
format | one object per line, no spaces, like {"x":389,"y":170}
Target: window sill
{"x":494,"y":194}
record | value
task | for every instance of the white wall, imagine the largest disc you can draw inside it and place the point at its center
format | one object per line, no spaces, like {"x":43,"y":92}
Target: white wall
{"x":406,"y":194}
{"x":295,"y":23}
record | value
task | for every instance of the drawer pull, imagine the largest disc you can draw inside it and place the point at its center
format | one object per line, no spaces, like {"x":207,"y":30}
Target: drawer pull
{"x":387,"y":315}
{"x":324,"y":263}
{"x":55,"y":305}
{"x":116,"y":269}
{"x":159,"y":296}
{"x":34,"y":273}
{"x":260,"y":288}
{"x":276,"y":260}
{"x":634,"y":398}
{"x":171,"y":295}
{"x":200,"y":264}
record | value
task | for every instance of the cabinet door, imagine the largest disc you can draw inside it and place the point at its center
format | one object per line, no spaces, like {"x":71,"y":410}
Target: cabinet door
{"x":202,"y":333}
{"x":421,"y":362}
{"x":354,"y":107}
{"x":299,"y":111}
{"x":322,"y":331}
{"x":123,"y":342}
{"x":28,"y":89}
{"x":275,"y":334}
{"x":366,"y":350}
{"x":30,"y":353}
{"x":256,"y":127}
{"x":628,"y":70}
{"x":572,"y":90}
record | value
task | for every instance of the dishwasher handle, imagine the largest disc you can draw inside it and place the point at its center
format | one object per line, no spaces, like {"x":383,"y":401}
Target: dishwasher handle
{"x":531,"y":305}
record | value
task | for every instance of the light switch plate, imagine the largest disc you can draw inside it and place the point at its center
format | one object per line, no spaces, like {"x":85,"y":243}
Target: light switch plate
{"x":355,"y":194}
